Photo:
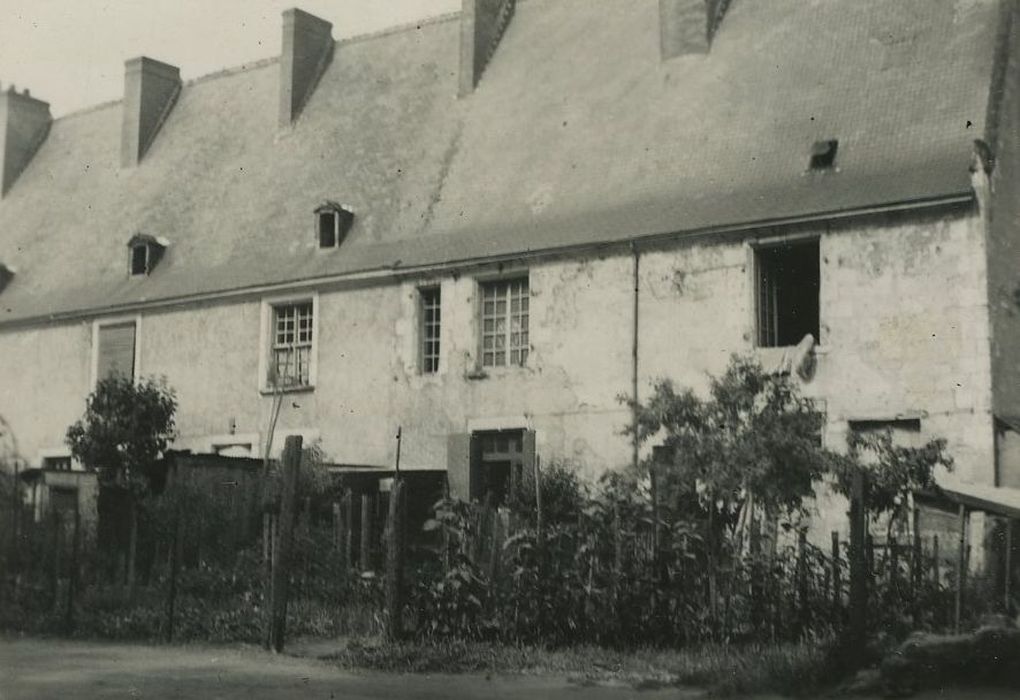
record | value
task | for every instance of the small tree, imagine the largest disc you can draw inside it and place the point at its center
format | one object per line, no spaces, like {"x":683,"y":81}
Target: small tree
{"x":754,"y":442}
{"x":126,"y":428}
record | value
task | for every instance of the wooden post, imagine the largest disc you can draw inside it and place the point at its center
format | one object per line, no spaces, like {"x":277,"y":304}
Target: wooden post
{"x":72,"y":579}
{"x":960,"y":568}
{"x":837,"y":584}
{"x":936,"y":568}
{"x":175,"y":567}
{"x":396,"y":468}
{"x":281,"y":567}
{"x":857,"y":634}
{"x":538,"y":497}
{"x":916,"y":562}
{"x":893,"y":559}
{"x":617,"y":556}
{"x":366,"y":532}
{"x":802,"y":587}
{"x":1008,"y":560}
{"x":337,"y":527}
{"x":395,"y":563}
{"x":348,"y":539}
{"x":55,"y":583}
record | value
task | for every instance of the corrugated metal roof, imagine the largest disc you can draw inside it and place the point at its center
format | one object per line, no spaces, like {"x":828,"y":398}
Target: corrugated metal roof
{"x":577,"y":134}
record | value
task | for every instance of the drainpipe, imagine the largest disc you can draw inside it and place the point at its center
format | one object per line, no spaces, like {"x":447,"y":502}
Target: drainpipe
{"x":634,"y":354}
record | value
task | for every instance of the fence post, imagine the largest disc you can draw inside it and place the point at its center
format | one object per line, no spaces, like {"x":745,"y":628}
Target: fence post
{"x":366,"y":533}
{"x":858,"y":568}
{"x":837,"y":584}
{"x":175,"y":566}
{"x":348,"y":525}
{"x":55,"y":583}
{"x":395,"y":563}
{"x":1009,"y":566}
{"x":72,"y":579}
{"x":960,"y":568}
{"x":915,"y":568}
{"x":281,"y":566}
{"x":935,"y":566}
{"x":893,"y":559}
{"x":802,"y":587}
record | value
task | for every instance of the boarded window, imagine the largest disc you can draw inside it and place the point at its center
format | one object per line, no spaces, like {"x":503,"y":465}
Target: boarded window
{"x":327,"y":229}
{"x":431,"y":317}
{"x":116,"y":354}
{"x":789,"y":282}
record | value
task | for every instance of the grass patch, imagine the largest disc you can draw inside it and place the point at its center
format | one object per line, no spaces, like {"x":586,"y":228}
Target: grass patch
{"x":789,"y":669}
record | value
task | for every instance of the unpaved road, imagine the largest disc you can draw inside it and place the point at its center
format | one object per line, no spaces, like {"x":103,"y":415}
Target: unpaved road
{"x":32,"y":669}
{"x":36,"y":669}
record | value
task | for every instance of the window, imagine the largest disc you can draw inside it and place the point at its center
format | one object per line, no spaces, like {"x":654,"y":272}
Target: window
{"x":788,"y":283}
{"x":115,"y":350}
{"x":505,"y":323}
{"x":140,"y":260}
{"x":823,"y":154}
{"x":6,"y":275}
{"x":144,"y":252}
{"x":502,"y":464}
{"x":57,"y":464}
{"x":430,"y":312}
{"x":291,"y":350}
{"x":333,"y":221}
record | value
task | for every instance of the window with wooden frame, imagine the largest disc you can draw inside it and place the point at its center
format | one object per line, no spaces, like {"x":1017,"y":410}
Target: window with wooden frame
{"x":115,"y":352}
{"x":430,"y":312}
{"x":504,"y":323}
{"x":290,"y":358}
{"x":788,"y":286}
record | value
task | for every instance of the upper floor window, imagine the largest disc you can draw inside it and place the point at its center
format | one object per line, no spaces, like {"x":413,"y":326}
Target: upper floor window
{"x":144,"y":253}
{"x":429,"y":300}
{"x":333,"y":221}
{"x":788,"y":284}
{"x":115,"y":349}
{"x":291,"y":351}
{"x":504,"y":322}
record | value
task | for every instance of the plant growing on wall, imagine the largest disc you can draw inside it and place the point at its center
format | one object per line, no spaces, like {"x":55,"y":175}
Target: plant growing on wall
{"x":125,"y":430}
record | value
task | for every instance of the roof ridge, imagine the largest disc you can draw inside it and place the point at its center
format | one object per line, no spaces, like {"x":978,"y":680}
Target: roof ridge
{"x":399,"y":28}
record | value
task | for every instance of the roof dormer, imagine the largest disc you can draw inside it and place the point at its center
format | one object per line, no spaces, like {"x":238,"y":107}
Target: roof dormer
{"x":332,"y":222}
{"x":6,"y":275}
{"x":144,"y":253}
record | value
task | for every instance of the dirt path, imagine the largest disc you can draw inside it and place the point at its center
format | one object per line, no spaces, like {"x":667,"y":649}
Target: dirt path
{"x":33,"y":669}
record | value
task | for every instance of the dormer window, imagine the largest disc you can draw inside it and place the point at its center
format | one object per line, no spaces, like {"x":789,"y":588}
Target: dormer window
{"x":333,"y":221}
{"x":144,"y":253}
{"x":823,"y":154}
{"x":6,"y":275}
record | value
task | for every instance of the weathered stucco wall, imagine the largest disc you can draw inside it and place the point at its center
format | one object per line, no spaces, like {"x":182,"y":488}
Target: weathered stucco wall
{"x":904,"y":326}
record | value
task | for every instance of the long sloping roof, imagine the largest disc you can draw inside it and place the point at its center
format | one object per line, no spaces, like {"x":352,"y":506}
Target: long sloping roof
{"x":577,"y":133}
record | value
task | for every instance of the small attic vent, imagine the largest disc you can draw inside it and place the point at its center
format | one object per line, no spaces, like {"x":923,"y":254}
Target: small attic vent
{"x":823,"y":154}
{"x":333,"y":221}
{"x":144,"y":253}
{"x":6,"y":275}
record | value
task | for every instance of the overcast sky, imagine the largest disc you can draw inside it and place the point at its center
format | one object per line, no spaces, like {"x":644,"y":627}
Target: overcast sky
{"x":71,"y":53}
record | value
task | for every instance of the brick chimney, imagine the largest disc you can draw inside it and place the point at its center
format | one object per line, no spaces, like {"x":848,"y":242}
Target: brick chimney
{"x":688,"y":26}
{"x":150,"y":90}
{"x":307,"y":52}
{"x":482,"y":23}
{"x":24,"y":123}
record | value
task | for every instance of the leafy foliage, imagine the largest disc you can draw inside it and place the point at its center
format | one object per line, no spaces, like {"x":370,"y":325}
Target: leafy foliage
{"x":754,"y":436}
{"x":893,"y":471}
{"x":126,"y":428}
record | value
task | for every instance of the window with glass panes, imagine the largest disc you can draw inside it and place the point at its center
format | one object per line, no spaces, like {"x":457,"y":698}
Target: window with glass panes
{"x":505,"y":323}
{"x":429,"y":299}
{"x":292,"y":344}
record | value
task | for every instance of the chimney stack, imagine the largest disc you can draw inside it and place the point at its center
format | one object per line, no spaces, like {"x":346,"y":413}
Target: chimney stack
{"x":150,"y":90}
{"x":688,"y":26}
{"x":482,"y":23}
{"x":24,"y":123}
{"x":307,"y":52}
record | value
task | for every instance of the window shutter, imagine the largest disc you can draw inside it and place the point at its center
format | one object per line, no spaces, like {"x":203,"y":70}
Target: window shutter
{"x":461,"y":465}
{"x":116,"y":351}
{"x":528,"y":464}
